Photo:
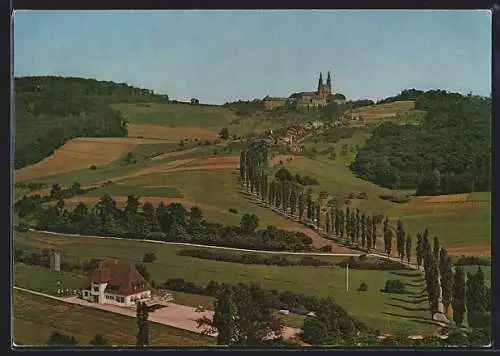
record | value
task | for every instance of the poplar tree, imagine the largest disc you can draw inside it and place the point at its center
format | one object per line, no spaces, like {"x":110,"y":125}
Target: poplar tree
{"x":337,"y":223}
{"x":363,"y":230}
{"x":293,"y":201}
{"x":400,"y":240}
{"x":408,"y":248}
{"x":374,"y":232}
{"x":436,"y":248}
{"x":419,"y":250}
{"x":458,"y":296}
{"x":369,"y":233}
{"x":342,"y":224}
{"x":301,"y":205}
{"x":446,"y":272}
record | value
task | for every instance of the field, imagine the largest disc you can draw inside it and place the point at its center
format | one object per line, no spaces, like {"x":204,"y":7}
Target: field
{"x":384,"y":111}
{"x":460,"y":221}
{"x":180,"y":121}
{"x":35,"y":318}
{"x":79,"y":153}
{"x":383,"y":311}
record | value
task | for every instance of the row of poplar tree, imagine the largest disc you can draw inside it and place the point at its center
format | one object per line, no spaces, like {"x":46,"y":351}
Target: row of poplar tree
{"x":443,"y":284}
{"x":284,"y":194}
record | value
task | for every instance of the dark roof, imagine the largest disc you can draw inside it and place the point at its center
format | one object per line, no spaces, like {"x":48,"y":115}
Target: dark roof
{"x":121,"y":278}
{"x":268,"y":98}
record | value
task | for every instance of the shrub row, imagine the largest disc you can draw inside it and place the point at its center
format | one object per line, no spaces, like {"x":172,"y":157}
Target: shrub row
{"x":251,"y":258}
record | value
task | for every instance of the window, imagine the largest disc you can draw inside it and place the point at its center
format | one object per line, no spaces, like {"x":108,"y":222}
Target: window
{"x":120,"y":299}
{"x":85,"y":293}
{"x":110,"y":297}
{"x":96,"y":289}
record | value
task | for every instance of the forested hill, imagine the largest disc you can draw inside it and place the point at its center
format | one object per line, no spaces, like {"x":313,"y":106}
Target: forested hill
{"x":450,"y":152}
{"x":52,"y":110}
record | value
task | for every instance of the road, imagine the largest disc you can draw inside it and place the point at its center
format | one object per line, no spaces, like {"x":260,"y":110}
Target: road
{"x":175,"y":315}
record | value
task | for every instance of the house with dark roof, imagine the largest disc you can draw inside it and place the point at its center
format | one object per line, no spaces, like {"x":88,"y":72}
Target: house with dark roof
{"x":112,"y":282}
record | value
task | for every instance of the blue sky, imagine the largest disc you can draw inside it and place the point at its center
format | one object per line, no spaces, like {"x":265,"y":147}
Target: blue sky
{"x":220,"y":56}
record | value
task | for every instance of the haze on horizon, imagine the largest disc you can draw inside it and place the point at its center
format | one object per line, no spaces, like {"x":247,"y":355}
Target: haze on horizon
{"x":221,"y":56}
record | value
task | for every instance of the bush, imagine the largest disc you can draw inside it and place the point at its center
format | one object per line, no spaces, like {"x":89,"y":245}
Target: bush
{"x":363,"y":195}
{"x":473,"y":260}
{"x":93,"y":167}
{"x":233,"y":211}
{"x":394,"y":286}
{"x":314,"y":331}
{"x":394,"y":199}
{"x":363,"y":287}
{"x":149,"y":257}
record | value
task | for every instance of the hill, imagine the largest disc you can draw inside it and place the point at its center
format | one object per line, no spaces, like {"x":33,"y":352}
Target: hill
{"x":52,"y":110}
{"x":449,"y":152}
{"x":384,"y":110}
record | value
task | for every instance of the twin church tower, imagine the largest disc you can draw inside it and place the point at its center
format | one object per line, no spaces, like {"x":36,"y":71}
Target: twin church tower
{"x":305,"y":100}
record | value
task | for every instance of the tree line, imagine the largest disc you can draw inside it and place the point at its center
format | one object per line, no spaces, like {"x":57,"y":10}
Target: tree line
{"x":171,"y":222}
{"x":52,"y":110}
{"x":30,"y":204}
{"x":466,"y":295}
{"x":449,"y":152}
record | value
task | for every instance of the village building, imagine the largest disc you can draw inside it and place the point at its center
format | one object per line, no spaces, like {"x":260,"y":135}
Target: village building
{"x":116,"y":283}
{"x":271,"y":103}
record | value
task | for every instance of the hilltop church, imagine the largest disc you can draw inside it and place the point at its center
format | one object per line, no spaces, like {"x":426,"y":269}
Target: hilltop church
{"x":307,"y":100}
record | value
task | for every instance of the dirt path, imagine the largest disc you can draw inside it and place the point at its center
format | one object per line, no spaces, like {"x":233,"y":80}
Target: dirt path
{"x":175,"y":315}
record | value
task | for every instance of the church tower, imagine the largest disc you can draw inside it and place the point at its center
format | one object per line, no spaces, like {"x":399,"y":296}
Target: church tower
{"x":329,"y":82}
{"x":320,"y":81}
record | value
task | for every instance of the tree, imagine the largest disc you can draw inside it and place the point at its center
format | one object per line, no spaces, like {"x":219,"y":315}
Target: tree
{"x":293,"y":201}
{"x":142,"y":270}
{"x":314,"y":331}
{"x":243,"y":315}
{"x":318,"y":214}
{"x":149,"y":257}
{"x":408,"y":248}
{"x":342,"y":224}
{"x":400,"y":239}
{"x":419,"y":250}
{"x":195,"y":101}
{"x":363,"y":230}
{"x":369,"y":233}
{"x":301,"y":205}
{"x":249,"y":223}
{"x":98,"y":340}
{"x":224,"y":133}
{"x":57,"y":338}
{"x":374,"y":232}
{"x":142,"y":316}
{"x":446,"y":272}
{"x":436,"y":248}
{"x":458,"y":296}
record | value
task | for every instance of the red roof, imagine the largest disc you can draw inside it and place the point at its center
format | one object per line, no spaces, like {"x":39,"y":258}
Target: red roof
{"x":122,"y":278}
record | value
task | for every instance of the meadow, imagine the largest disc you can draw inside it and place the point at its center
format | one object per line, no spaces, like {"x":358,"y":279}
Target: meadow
{"x":36,"y":317}
{"x":457,"y":224}
{"x":379,"y":310}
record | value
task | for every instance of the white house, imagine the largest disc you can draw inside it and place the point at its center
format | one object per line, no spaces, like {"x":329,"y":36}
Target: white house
{"x":116,"y":283}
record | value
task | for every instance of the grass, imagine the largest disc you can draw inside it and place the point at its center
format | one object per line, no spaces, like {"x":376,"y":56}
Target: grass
{"x":126,"y":190}
{"x":43,"y":280}
{"x":385,"y":110}
{"x":114,"y":170}
{"x":36,"y":317}
{"x":144,"y":151}
{"x":217,"y":189}
{"x":373,"y":307}
{"x":453,"y":224}
{"x":179,"y":115}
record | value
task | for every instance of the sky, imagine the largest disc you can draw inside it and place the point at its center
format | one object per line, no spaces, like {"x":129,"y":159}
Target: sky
{"x":221,"y":56}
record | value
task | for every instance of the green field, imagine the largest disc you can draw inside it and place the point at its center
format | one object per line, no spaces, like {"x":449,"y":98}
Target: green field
{"x":36,"y":317}
{"x":126,"y":190}
{"x":382,"y":111}
{"x":217,"y":189}
{"x":178,"y":115}
{"x":113,"y":170}
{"x":453,"y":224}
{"x":379,"y":310}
